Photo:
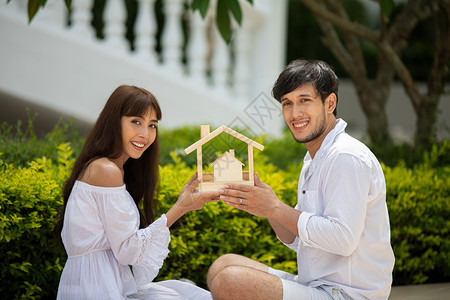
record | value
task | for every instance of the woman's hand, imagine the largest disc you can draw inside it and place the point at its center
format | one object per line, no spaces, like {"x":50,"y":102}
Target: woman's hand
{"x":190,"y":199}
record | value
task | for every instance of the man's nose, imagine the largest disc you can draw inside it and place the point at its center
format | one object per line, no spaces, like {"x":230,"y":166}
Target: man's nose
{"x":297,"y":110}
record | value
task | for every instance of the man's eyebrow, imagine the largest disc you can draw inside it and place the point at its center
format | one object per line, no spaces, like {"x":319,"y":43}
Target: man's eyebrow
{"x":299,"y":96}
{"x":305,"y":95}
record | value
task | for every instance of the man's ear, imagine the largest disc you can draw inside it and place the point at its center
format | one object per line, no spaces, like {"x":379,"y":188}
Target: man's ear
{"x":330,"y":102}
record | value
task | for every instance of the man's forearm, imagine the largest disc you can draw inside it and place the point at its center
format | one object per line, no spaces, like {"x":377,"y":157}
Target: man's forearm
{"x":282,"y":233}
{"x":284,"y":222}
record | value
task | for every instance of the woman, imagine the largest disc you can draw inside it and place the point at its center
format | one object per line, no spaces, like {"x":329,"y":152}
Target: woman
{"x":101,"y":226}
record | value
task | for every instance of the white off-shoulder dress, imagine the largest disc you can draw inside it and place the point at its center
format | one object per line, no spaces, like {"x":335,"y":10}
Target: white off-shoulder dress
{"x":102,"y":238}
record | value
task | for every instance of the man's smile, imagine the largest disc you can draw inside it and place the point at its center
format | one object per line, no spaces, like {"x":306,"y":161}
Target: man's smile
{"x":300,"y":124}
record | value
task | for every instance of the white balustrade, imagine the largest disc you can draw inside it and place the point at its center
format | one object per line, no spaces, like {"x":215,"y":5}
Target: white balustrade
{"x":173,"y":35}
{"x":198,"y":47}
{"x":81,"y":18}
{"x":145,"y":29}
{"x":115,"y":17}
{"x":242,"y":47}
{"x":220,"y":62}
{"x":206,"y":49}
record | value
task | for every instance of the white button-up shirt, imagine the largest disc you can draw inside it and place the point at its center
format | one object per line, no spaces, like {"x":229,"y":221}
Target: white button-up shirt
{"x":344,"y":225}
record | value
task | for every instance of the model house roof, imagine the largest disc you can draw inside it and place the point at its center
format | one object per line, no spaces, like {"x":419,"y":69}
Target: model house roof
{"x":228,"y":156}
{"x":218,"y":131}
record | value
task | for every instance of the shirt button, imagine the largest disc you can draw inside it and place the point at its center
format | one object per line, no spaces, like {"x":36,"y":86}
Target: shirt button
{"x":303,"y":192}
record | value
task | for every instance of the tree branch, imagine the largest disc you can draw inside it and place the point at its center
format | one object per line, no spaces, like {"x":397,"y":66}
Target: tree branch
{"x":412,"y":13}
{"x":351,"y":41}
{"x":345,"y":25}
{"x":334,"y":44}
{"x":440,"y":69}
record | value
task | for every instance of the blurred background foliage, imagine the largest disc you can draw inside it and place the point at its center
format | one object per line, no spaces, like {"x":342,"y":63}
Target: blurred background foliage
{"x":304,"y":40}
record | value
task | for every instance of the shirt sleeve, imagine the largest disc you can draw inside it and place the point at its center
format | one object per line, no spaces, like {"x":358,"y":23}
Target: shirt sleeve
{"x":344,"y":189}
{"x":294,"y":244}
{"x":131,"y":245}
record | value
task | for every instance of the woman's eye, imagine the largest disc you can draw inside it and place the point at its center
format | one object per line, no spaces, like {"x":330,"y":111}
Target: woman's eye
{"x":137,"y":122}
{"x":153,"y":126}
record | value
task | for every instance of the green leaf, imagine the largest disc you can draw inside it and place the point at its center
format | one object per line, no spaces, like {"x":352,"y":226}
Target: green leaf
{"x":201,"y":5}
{"x":387,"y":6}
{"x":223,"y":20}
{"x":68,"y":4}
{"x":33,"y":7}
{"x":235,"y":8}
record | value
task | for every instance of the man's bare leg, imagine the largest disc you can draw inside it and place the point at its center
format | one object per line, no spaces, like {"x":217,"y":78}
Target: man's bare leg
{"x":233,"y":276}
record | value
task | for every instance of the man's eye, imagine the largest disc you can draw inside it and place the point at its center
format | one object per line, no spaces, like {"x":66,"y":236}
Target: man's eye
{"x":285,"y":103}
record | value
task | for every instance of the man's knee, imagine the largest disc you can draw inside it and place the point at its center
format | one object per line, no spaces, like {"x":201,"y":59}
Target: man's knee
{"x":242,"y":282}
{"x":219,"y":264}
{"x":226,"y":260}
{"x":226,"y":282}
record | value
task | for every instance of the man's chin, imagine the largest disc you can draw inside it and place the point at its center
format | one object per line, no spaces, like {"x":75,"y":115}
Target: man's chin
{"x":302,"y":140}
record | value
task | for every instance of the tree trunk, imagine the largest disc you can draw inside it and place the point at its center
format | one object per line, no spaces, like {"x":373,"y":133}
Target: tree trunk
{"x":426,"y":123}
{"x":377,"y":127}
{"x":373,"y":104}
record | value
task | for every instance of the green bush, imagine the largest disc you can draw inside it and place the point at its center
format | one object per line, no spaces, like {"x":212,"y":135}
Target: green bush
{"x":20,"y":144}
{"x":419,"y":208}
{"x":30,"y":196}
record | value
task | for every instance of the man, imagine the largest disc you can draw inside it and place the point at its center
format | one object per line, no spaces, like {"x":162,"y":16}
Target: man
{"x":340,"y":225}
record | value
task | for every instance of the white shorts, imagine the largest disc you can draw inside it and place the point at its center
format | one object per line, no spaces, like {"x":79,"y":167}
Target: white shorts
{"x":292,"y":290}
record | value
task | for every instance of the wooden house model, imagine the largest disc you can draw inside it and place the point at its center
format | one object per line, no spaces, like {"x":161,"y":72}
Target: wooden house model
{"x":227,"y":168}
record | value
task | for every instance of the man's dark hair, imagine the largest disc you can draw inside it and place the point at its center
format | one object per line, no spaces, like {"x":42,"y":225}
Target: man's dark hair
{"x":300,"y":72}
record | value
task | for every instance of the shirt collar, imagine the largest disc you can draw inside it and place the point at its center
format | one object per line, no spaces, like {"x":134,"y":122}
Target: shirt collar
{"x":328,"y":140}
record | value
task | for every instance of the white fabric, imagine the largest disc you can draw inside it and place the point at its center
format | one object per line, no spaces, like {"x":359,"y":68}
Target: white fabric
{"x":344,"y":225}
{"x":293,"y":290}
{"x":102,"y":238}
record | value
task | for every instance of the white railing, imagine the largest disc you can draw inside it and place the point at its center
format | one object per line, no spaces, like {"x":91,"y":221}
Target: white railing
{"x":209,"y":58}
{"x":186,"y":50}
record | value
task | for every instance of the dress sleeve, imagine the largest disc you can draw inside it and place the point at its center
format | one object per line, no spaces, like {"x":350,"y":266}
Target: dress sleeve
{"x":131,"y":245}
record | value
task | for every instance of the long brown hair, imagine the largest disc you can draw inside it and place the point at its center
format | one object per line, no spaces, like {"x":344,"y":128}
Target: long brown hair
{"x":105,"y":140}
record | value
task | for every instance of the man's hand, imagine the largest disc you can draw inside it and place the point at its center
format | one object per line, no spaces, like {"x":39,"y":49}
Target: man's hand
{"x":259,"y":200}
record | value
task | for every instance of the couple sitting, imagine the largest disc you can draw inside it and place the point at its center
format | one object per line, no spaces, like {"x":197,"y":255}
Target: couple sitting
{"x":339,"y":227}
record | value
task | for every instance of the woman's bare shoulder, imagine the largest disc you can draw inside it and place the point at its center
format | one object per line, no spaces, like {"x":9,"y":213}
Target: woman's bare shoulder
{"x":103,"y":172}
